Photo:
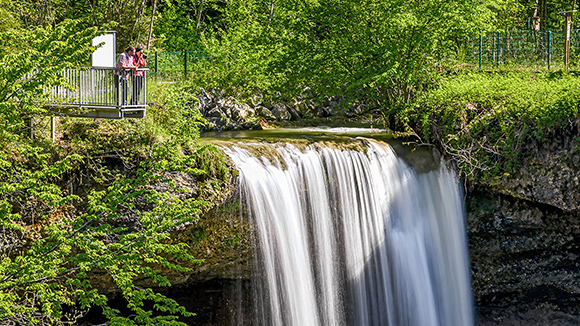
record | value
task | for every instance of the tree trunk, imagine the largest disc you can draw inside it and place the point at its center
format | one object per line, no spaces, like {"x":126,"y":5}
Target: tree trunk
{"x":139,"y":20}
{"x":199,"y":11}
{"x":151,"y":25}
{"x":271,"y":12}
{"x":536,"y":18}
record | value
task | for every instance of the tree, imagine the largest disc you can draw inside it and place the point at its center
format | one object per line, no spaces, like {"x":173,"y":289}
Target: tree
{"x":49,"y":258}
{"x":8,"y":19}
{"x":52,"y":241}
{"x":546,"y":14}
{"x":128,"y":18}
{"x":385,"y":51}
{"x":32,"y":61}
{"x":181,"y":23}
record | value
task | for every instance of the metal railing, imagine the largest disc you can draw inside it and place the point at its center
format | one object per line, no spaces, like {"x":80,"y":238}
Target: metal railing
{"x":527,"y":48}
{"x":102,"y":87}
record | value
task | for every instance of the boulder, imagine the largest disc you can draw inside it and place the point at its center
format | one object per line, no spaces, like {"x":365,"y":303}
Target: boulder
{"x":264,"y":112}
{"x":293,"y":113}
{"x":226,"y":106}
{"x":324,"y":111}
{"x":215,"y":113}
{"x":232,"y":125}
{"x":306,"y":108}
{"x":281,"y":112}
{"x":242,"y":111}
{"x":205,"y":102}
{"x":217,"y":123}
{"x":252,"y":125}
{"x":355,"y":110}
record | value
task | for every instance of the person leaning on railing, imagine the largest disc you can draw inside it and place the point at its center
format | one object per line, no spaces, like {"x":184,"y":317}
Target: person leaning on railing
{"x":138,"y":62}
{"x":122,"y":71}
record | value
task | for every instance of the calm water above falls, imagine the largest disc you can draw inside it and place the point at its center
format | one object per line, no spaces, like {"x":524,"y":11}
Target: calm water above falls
{"x":354,"y":237}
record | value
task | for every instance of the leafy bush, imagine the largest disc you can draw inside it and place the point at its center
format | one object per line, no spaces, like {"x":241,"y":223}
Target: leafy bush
{"x":54,"y":242}
{"x":52,"y":248}
{"x":175,"y":114}
{"x":482,"y":119}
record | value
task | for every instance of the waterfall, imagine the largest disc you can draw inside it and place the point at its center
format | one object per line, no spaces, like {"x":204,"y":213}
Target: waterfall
{"x":348,"y":237}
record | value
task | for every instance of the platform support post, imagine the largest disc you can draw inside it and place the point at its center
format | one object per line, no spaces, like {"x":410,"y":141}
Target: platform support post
{"x":53,"y":129}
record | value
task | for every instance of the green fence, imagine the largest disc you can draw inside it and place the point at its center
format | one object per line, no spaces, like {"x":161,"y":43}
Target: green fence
{"x":176,"y":65}
{"x":522,"y":49}
{"x":537,"y":49}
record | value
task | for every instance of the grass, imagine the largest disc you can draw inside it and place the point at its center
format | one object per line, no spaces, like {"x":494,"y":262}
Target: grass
{"x":482,"y":119}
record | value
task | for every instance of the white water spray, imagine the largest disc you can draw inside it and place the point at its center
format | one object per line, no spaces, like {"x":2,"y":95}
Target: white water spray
{"x":353,"y":238}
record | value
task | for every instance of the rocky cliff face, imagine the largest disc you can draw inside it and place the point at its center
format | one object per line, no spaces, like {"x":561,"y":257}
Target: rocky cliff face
{"x":549,"y":172}
{"x":524,"y":258}
{"x":524,"y":238}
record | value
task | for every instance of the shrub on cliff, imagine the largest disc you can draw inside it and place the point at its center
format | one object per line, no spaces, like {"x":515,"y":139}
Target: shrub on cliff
{"x":482,"y":119}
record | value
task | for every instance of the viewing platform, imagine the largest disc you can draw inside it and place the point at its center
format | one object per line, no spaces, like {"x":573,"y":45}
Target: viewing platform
{"x":101,"y":93}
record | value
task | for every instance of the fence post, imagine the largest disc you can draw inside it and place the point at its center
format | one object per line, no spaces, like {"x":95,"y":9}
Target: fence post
{"x":480,"y":47}
{"x":53,"y":128}
{"x":80,"y":80}
{"x":156,"y":63}
{"x":567,"y":39}
{"x":185,"y":64}
{"x":549,"y":49}
{"x":498,"y":48}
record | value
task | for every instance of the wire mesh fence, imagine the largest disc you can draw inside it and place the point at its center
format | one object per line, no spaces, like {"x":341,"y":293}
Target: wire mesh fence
{"x":528,"y":48}
{"x":517,"y":48}
{"x":177,"y":65}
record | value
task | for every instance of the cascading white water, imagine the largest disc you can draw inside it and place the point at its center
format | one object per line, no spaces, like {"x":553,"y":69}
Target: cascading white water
{"x":354,"y":238}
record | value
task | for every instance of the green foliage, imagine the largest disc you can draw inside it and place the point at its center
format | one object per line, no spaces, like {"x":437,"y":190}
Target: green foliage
{"x":55,"y":244}
{"x":115,"y":232}
{"x":130,"y":18}
{"x":86,"y":136}
{"x":181,"y":23}
{"x":58,"y":246}
{"x":212,"y":161}
{"x":31,"y":62}
{"x":173,"y":119}
{"x":483,"y":119}
{"x":176,"y":116}
{"x":8,"y":17}
{"x":546,"y":14}
{"x":382,"y":51}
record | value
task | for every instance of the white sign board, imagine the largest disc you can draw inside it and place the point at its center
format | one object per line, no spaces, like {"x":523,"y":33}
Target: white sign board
{"x":104,"y":56}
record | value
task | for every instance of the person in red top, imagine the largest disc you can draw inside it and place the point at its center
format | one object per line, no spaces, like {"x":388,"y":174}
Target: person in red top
{"x":138,"y":62}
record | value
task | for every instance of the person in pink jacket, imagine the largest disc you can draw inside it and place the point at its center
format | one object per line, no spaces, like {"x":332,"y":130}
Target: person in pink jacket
{"x":139,"y":62}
